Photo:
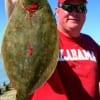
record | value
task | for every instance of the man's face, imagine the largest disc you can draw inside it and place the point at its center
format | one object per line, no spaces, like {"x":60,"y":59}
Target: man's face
{"x":70,"y":21}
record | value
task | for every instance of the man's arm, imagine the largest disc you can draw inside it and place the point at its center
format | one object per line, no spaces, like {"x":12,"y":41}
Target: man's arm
{"x":9,"y":6}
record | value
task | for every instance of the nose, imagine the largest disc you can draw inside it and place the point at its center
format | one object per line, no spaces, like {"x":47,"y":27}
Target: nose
{"x":74,"y":13}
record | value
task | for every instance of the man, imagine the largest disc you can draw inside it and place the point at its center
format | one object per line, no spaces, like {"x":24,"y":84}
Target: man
{"x":77,"y":74}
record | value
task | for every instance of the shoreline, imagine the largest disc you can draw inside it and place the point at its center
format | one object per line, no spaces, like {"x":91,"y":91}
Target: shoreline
{"x":9,"y":95}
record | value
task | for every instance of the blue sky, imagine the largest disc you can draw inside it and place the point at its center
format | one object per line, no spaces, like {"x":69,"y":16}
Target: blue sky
{"x":91,"y":26}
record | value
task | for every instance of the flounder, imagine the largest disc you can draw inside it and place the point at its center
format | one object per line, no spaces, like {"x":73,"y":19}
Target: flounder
{"x":30,"y":46}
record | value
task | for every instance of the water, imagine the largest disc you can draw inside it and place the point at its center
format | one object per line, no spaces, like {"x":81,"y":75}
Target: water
{"x":3,"y":75}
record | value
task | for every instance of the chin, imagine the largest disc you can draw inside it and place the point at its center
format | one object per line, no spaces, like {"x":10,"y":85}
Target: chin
{"x":75,"y":27}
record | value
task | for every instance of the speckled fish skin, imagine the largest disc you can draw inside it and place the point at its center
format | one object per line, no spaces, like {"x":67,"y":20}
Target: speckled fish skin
{"x":30,"y":47}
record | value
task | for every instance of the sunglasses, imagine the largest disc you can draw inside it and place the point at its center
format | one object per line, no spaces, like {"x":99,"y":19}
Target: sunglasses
{"x":70,"y":7}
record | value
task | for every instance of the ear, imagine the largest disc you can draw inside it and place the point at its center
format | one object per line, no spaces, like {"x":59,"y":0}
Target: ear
{"x":56,"y":11}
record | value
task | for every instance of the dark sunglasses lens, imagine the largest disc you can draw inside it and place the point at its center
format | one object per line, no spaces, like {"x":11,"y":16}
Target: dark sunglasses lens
{"x":67,"y":7}
{"x":77,"y":8}
{"x":81,"y":8}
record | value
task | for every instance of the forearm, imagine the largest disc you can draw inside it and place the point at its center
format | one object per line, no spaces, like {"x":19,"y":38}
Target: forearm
{"x":9,"y":5}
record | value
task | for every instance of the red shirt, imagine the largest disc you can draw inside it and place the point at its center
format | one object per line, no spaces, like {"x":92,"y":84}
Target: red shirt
{"x":76,"y":76}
